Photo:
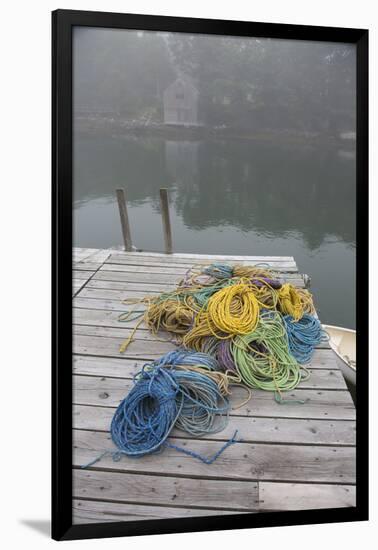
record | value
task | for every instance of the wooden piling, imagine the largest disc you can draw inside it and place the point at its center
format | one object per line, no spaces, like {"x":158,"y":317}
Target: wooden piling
{"x":121,"y":198}
{"x":166,"y":220}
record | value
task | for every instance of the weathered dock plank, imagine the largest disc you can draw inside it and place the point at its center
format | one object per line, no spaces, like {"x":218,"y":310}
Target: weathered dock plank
{"x":296,"y":496}
{"x":91,"y":254}
{"x":124,"y":367}
{"x":87,"y":266}
{"x":110,"y":294}
{"x":161,"y":268}
{"x":251,"y":429}
{"x":242,"y":461}
{"x":101,"y":511}
{"x":124,"y":330}
{"x":99,"y":284}
{"x":320,"y":378}
{"x":125,"y":286}
{"x":77,"y":274}
{"x":190,"y":256}
{"x":142,"y":258}
{"x":171,"y":279}
{"x":109,"y":347}
{"x":148,"y":489}
{"x":328,"y":404}
{"x":97,"y":343}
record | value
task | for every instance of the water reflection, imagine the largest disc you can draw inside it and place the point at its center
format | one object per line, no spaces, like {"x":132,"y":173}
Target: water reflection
{"x":271,"y":190}
{"x":181,"y":159}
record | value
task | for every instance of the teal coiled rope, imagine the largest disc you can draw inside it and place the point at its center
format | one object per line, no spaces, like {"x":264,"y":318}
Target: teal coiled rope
{"x":164,"y":397}
{"x":219,"y":271}
{"x":303,"y":336}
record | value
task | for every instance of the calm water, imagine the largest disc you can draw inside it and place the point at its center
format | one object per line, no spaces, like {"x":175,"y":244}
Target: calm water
{"x":228,"y":197}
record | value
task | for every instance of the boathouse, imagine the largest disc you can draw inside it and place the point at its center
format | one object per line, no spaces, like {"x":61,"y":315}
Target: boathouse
{"x":181,"y":102}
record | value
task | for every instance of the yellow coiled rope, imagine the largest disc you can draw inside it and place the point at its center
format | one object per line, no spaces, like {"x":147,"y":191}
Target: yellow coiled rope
{"x":233,"y":310}
{"x":171,"y":315}
{"x":307,"y":301}
{"x":253,"y":272}
{"x":295,"y":301}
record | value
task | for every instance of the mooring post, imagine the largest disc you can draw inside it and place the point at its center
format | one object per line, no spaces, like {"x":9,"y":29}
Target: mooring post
{"x":121,"y":198}
{"x":166,"y":220}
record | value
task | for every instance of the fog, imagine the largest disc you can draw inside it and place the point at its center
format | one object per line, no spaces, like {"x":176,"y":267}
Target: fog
{"x":254,"y":84}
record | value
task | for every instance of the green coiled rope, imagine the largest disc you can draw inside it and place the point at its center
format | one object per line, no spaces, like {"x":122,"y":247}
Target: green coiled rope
{"x":263,"y":359}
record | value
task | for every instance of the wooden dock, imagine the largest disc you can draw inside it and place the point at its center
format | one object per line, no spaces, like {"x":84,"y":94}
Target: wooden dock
{"x":292,"y":456}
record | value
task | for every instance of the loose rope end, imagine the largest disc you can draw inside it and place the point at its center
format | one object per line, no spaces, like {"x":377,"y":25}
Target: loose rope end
{"x":130,"y":339}
{"x":123,"y":347}
{"x":204,"y":459}
{"x":281,"y":401}
{"x":89,"y":464}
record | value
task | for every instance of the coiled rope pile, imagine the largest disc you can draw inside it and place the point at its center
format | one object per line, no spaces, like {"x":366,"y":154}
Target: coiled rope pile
{"x":235,"y":325}
{"x":212,"y":309}
{"x":175,"y":391}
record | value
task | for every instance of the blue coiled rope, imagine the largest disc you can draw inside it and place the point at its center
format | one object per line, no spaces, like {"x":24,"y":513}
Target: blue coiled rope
{"x":303,"y":336}
{"x":182,"y":356}
{"x":164,"y":397}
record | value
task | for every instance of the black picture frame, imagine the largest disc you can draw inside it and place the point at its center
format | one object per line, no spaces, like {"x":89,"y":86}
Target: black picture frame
{"x":62,"y":23}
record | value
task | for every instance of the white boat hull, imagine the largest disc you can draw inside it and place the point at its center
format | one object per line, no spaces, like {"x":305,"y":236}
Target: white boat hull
{"x":343,"y":342}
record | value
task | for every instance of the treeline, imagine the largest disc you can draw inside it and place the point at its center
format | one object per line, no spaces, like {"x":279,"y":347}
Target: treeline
{"x":255,"y":83}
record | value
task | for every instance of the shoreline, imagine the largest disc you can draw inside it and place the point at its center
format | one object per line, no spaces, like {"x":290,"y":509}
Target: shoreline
{"x":95,"y":125}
